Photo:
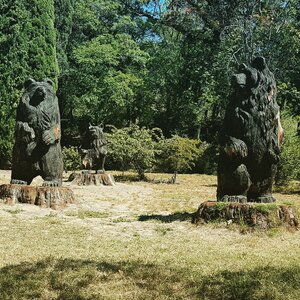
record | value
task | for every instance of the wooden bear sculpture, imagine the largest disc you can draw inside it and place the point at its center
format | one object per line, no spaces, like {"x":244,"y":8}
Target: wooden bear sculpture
{"x":94,"y":158}
{"x":251,"y":137}
{"x":37,"y":149}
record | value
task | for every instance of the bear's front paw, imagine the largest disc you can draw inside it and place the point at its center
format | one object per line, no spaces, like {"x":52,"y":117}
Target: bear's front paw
{"x":48,"y":137}
{"x":18,"y":181}
{"x":234,"y":198}
{"x":236,"y":148}
{"x":50,"y":183}
{"x":273,"y":157}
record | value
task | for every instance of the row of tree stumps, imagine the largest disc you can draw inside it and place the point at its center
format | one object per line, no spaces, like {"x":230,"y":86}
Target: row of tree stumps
{"x":37,"y":152}
{"x":250,"y":142}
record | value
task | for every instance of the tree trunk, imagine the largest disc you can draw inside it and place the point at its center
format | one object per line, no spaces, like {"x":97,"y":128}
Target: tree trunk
{"x":86,"y":178}
{"x":262,"y":215}
{"x":44,"y":196}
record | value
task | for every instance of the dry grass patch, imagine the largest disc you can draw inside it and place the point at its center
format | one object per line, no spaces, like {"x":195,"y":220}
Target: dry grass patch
{"x":82,"y":214}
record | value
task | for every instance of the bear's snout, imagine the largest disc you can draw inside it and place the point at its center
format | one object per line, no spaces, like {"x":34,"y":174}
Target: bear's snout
{"x":239,"y":80}
{"x":40,"y":91}
{"x":38,"y":96}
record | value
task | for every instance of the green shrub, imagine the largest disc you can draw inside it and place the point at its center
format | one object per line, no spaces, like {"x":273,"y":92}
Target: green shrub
{"x":208,"y":161}
{"x":72,"y":159}
{"x":289,"y":165}
{"x":133,"y":147}
{"x":178,"y":154}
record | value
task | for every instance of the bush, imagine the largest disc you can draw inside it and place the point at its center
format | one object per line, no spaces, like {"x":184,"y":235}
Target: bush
{"x":72,"y":159}
{"x":178,"y":154}
{"x":289,"y":165}
{"x":208,"y":161}
{"x":133,"y":148}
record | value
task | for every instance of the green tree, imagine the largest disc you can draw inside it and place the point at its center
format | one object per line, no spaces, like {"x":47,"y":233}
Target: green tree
{"x":178,"y":154}
{"x":72,"y":159}
{"x":106,"y":67}
{"x":110,"y":66}
{"x":133,"y":147}
{"x":28,"y":49}
{"x":219,"y":35}
{"x":64,"y":12}
{"x":289,"y":165}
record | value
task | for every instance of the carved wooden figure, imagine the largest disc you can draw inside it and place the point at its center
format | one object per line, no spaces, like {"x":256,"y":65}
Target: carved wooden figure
{"x":94,"y":158}
{"x":37,"y":149}
{"x":251,"y":137}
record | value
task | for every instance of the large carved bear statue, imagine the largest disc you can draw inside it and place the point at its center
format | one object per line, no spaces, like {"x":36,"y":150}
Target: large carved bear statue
{"x":251,"y":137}
{"x":37,"y":149}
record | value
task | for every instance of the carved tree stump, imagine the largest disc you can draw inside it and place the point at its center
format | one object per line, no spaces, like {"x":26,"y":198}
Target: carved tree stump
{"x":85,"y":178}
{"x":257,"y":215}
{"x":46,"y":197}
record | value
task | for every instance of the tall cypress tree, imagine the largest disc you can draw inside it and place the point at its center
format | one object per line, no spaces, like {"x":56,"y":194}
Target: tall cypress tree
{"x":64,"y":11}
{"x":27,"y":49}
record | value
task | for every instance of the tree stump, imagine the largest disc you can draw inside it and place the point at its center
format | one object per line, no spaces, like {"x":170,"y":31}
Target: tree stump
{"x":262,"y":215}
{"x":44,"y":196}
{"x":86,"y":178}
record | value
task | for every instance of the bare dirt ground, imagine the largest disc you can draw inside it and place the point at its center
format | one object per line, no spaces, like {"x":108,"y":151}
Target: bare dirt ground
{"x":114,"y":208}
{"x":106,"y":199}
{"x":126,"y":208}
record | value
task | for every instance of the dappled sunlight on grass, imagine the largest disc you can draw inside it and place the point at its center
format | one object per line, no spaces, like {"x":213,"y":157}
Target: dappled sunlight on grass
{"x":52,"y":278}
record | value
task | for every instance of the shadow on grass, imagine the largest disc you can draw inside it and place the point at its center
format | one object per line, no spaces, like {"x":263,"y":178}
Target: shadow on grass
{"x":291,"y":192}
{"x":260,"y":283}
{"x":127,"y":178}
{"x":70,"y":279}
{"x":87,"y":279}
{"x":136,"y":178}
{"x":168,"y":218}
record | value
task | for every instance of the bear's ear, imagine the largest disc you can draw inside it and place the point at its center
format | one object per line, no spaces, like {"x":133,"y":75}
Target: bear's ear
{"x":28,"y":82}
{"x":259,"y":63}
{"x":49,"y":81}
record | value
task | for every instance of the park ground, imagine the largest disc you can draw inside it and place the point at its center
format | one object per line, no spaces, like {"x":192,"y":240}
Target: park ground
{"x":135,"y":240}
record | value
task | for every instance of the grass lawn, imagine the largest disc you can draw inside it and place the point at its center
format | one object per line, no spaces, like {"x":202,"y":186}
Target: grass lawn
{"x":136,"y":241}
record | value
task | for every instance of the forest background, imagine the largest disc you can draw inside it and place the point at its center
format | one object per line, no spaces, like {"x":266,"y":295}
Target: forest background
{"x":149,"y":64}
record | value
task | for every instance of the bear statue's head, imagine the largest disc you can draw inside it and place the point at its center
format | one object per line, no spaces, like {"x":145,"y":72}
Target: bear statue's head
{"x":248,"y":77}
{"x":38,"y":91}
{"x":255,"y":81}
{"x":96,"y":132}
